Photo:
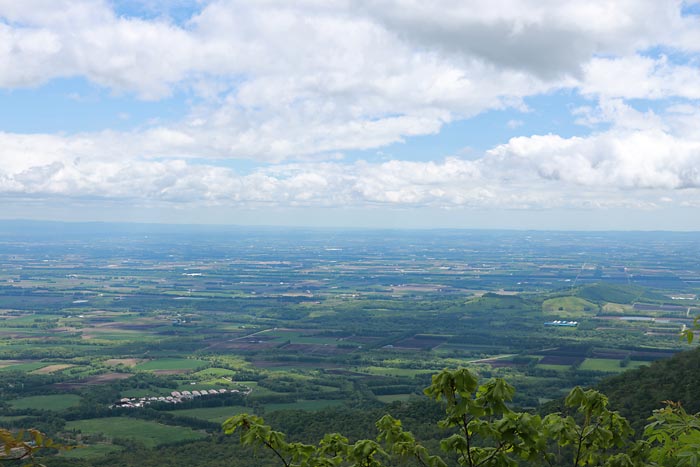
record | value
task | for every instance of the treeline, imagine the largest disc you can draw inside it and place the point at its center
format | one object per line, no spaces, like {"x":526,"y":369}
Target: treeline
{"x":419,"y":416}
{"x":636,"y":393}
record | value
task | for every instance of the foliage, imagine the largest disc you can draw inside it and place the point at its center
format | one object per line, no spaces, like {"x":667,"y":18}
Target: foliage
{"x":689,"y":333}
{"x":21,"y":447}
{"x":674,"y":437}
{"x":636,"y":393}
{"x":482,"y":431}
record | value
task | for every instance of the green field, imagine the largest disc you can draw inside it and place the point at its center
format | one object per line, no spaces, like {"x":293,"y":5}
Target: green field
{"x":218,"y":383}
{"x":569,"y":307}
{"x":609,"y":365}
{"x":364,"y":315}
{"x":29,"y":366}
{"x":147,"y":432}
{"x":171,"y":364}
{"x":56,"y":402}
{"x":214,"y":372}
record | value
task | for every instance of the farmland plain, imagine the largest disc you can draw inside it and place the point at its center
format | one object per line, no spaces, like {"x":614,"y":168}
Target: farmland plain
{"x":310,"y":320}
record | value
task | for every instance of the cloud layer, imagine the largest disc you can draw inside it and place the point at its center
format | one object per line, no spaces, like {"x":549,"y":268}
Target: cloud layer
{"x":293,"y":85}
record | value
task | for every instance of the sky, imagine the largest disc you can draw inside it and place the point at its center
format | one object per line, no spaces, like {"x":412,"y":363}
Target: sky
{"x":527,"y":114}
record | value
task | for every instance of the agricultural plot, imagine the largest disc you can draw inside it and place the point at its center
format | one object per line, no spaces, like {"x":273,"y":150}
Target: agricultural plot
{"x":214,"y":372}
{"x":175,"y":365}
{"x":569,"y":307}
{"x":53,"y":402}
{"x":311,"y":320}
{"x":420,"y":342}
{"x":608,"y":365}
{"x":147,"y":432}
{"x":564,"y":360}
{"x":52,"y":369}
{"x":127,"y":362}
{"x":96,"y":380}
{"x":27,"y":366}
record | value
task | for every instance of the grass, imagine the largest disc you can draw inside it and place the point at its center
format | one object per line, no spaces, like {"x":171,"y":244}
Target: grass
{"x":55,"y":402}
{"x":52,"y":369}
{"x":29,"y":319}
{"x":29,"y":366}
{"x":608,"y":365}
{"x":171,"y":364}
{"x":571,"y":307}
{"x":617,"y":308}
{"x":215,"y":372}
{"x":147,"y":432}
{"x":214,"y":383}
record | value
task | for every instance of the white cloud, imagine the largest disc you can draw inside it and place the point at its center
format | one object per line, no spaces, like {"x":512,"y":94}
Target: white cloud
{"x":513,"y":123}
{"x":636,"y":77}
{"x":276,"y":82}
{"x":619,"y":167}
{"x":618,"y":159}
{"x":350,"y":75}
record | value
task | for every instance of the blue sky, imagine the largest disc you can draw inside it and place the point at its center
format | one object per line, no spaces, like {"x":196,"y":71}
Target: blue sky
{"x":501,"y":114}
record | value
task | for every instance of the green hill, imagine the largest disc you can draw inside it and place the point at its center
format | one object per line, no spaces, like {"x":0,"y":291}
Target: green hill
{"x":494,"y":302}
{"x":636,"y":393}
{"x":625,"y":294}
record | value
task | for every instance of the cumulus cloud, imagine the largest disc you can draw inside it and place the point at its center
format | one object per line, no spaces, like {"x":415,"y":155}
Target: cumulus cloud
{"x":546,"y":38}
{"x":542,"y":171}
{"x":637,"y":77}
{"x":288,"y":83}
{"x":640,"y":151}
{"x":629,"y":160}
{"x":351,"y":75}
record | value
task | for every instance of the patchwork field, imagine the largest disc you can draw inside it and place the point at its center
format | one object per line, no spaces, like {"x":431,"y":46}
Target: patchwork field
{"x":52,"y":369}
{"x":613,"y":366}
{"x":54,"y":402}
{"x":171,"y":364}
{"x":569,"y":307}
{"x":306,"y":321}
{"x":147,"y":432}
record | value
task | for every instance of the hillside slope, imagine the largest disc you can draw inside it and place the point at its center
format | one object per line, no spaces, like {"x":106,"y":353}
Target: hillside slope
{"x":636,"y":393}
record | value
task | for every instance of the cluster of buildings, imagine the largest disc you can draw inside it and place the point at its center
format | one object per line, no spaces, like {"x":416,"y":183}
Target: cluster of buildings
{"x":175,"y":397}
{"x":557,"y":322}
